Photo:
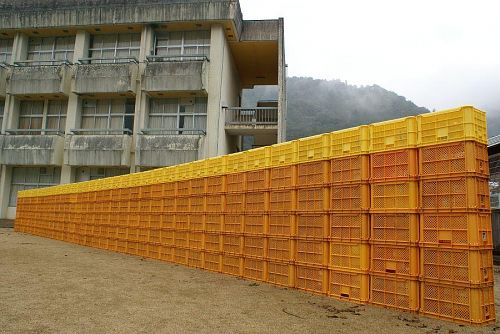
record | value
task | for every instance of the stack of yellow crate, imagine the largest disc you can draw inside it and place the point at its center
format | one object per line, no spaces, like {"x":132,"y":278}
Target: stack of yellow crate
{"x":455,"y":228}
{"x":394,"y":214}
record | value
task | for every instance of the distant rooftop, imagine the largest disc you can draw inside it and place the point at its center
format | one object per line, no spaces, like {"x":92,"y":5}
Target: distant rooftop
{"x":35,"y":5}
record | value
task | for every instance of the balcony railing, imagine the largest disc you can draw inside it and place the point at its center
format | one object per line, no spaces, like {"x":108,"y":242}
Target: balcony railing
{"x":117,"y":60}
{"x":101,"y":131}
{"x":172,"y":132}
{"x":56,"y":132}
{"x":252,"y":116}
{"x":177,"y":58}
{"x":26,"y":63}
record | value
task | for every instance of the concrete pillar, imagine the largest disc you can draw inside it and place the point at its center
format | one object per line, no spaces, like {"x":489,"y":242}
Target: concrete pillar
{"x":282,"y":73}
{"x":3,"y":125}
{"x":11,"y":111}
{"x":67,"y":174}
{"x":82,"y":44}
{"x":214,"y":106}
{"x":5,"y":182}
{"x":20,"y":48}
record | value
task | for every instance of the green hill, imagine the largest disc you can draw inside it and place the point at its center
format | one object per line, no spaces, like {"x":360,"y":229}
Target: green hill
{"x":317,"y":106}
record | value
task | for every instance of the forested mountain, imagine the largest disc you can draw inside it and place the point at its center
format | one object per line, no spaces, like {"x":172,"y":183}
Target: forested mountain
{"x":317,"y":106}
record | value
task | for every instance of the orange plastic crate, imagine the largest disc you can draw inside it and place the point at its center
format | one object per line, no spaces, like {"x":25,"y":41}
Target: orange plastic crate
{"x":195,"y":240}
{"x":167,"y":221}
{"x":181,"y":238}
{"x":254,"y":246}
{"x":233,"y":223}
{"x":254,"y":224}
{"x":213,"y":222}
{"x":392,"y":292}
{"x":232,"y":265}
{"x":182,"y":222}
{"x":349,"y":256}
{"x":167,"y":237}
{"x":183,"y":188}
{"x":391,"y":165}
{"x":395,"y":228}
{"x":349,"y":227}
{"x":198,"y":186}
{"x":394,"y":259}
{"x":212,"y":242}
{"x":311,"y":252}
{"x":282,"y":177}
{"x":281,"y":200}
{"x":232,"y":244}
{"x":195,"y":258}
{"x":454,"y":158}
{"x":312,"y":174}
{"x":349,"y":285}
{"x":458,"y":303}
{"x":312,"y":225}
{"x":254,"y":268}
{"x":311,"y":199}
{"x":455,"y":193}
{"x":214,"y":203}
{"x":279,"y":249}
{"x":181,"y":204}
{"x":197,"y":222}
{"x":235,"y":203}
{"x":257,"y":180}
{"x":311,"y":278}
{"x":215,"y":184}
{"x":256,"y":201}
{"x":197,"y":204}
{"x":212,"y":261}
{"x":457,"y":265}
{"x":235,"y":182}
{"x":350,"y":169}
{"x":181,"y":255}
{"x":353,"y":197}
{"x":281,"y":224}
{"x":279,"y":273}
{"x":465,"y":229}
{"x":394,"y":196}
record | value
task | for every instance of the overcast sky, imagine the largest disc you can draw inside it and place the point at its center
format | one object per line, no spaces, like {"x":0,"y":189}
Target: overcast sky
{"x":437,"y":53}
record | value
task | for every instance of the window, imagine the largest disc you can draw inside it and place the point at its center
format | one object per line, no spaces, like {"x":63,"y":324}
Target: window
{"x":113,"y":114}
{"x":56,"y":115}
{"x":24,"y":178}
{"x":183,"y":43}
{"x":6,"y":50}
{"x":51,"y":49}
{"x":31,"y":116}
{"x":94,"y":173}
{"x":178,"y":114}
{"x":115,"y":48}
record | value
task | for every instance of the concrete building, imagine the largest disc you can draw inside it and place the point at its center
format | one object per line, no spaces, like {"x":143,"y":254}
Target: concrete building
{"x":96,"y":88}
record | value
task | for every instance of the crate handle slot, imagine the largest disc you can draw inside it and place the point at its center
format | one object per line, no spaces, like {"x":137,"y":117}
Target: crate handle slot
{"x":391,"y":271}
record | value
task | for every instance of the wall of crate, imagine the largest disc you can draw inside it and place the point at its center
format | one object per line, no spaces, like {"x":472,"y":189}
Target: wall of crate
{"x":394,"y":214}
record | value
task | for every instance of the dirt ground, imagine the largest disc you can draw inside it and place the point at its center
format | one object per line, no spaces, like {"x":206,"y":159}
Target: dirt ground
{"x":47,"y":286}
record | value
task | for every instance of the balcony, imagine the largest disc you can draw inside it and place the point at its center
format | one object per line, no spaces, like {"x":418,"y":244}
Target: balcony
{"x":157,"y":147}
{"x":94,"y":76}
{"x":40,"y":77}
{"x":41,"y":147}
{"x":4,"y":73}
{"x":251,"y":121}
{"x":180,"y":73}
{"x":98,"y":147}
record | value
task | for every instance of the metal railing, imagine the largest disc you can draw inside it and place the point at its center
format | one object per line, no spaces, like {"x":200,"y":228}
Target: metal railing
{"x":56,"y":132}
{"x":179,"y":58}
{"x":117,"y":60}
{"x":30,"y":63}
{"x":172,"y":132}
{"x":252,"y":116}
{"x":101,"y":131}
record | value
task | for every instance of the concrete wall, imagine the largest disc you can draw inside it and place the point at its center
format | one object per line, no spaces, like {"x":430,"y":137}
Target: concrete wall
{"x":26,"y":80}
{"x":87,"y":13}
{"x":155,"y":151}
{"x":97,"y":150}
{"x":46,"y":150}
{"x":105,"y":78}
{"x":176,"y":76}
{"x":3,"y":80}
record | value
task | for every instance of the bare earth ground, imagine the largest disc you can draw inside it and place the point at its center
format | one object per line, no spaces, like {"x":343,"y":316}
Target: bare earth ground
{"x":48,"y":286}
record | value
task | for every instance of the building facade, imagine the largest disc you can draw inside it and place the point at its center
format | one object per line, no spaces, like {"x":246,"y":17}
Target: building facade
{"x":98,"y":88}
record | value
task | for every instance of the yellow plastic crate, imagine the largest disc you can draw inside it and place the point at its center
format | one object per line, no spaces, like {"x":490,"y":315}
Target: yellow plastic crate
{"x":284,"y":154}
{"x":464,"y":123}
{"x":258,"y":158}
{"x":236,"y":163}
{"x":198,"y":168}
{"x":313,"y":148}
{"x":349,"y":142}
{"x":216,"y":166}
{"x":394,"y":134}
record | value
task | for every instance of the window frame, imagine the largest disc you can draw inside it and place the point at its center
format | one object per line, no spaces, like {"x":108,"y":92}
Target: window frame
{"x":5,"y":50}
{"x":116,"y":48}
{"x":53,"y":51}
{"x":179,"y":115}
{"x":109,"y":115}
{"x":55,"y":173}
{"x":164,"y":35}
